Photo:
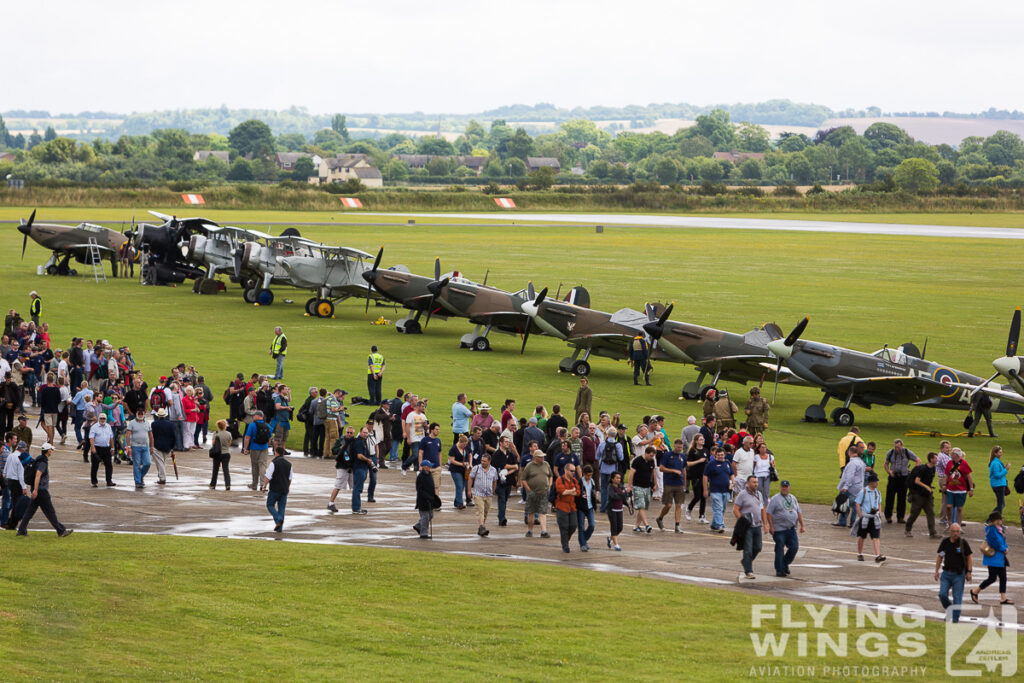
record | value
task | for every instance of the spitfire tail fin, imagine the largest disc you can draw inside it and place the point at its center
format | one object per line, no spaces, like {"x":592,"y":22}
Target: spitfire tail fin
{"x":579,"y":296}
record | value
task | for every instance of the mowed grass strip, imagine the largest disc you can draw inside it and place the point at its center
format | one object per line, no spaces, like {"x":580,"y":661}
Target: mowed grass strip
{"x":122,"y":607}
{"x":860,"y":291}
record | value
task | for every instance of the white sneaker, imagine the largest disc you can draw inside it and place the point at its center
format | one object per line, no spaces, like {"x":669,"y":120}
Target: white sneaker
{"x":687,"y":515}
{"x":703,"y":520}
{"x":403,"y":471}
{"x":749,"y":576}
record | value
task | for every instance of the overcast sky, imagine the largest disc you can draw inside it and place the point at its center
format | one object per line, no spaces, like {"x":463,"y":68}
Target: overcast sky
{"x":465,"y":56}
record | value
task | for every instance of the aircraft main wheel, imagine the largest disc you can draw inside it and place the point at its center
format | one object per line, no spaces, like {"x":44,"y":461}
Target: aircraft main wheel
{"x":481,"y":344}
{"x":843,"y":417}
{"x":324,"y":308}
{"x":51,"y":270}
{"x":208,"y":286}
{"x":581,"y":368}
{"x":311,"y":306}
{"x":249,"y":295}
{"x":264,"y":297}
{"x":413,"y":327}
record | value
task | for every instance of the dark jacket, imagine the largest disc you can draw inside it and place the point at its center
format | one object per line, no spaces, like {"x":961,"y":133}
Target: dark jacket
{"x":163,"y":435}
{"x":739,"y":532}
{"x":426,"y":499}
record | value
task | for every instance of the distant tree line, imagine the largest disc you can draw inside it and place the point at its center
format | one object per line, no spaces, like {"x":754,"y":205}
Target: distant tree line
{"x":883,"y":155}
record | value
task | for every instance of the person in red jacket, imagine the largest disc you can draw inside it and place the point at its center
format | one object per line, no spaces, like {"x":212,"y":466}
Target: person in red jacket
{"x":191,"y":410}
{"x":566,"y":489}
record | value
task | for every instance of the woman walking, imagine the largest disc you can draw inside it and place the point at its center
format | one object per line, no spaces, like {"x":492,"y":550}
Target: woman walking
{"x":696,"y":458}
{"x":763,"y":463}
{"x":997,"y":477}
{"x":220,"y":451}
{"x":457,"y":461}
{"x":995,"y":538}
{"x":616,"y":495}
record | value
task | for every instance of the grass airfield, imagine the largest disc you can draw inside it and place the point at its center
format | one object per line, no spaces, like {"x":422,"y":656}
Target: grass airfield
{"x":860,"y":291}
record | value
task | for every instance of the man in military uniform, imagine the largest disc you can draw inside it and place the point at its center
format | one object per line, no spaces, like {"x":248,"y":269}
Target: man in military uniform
{"x":709,"y":403}
{"x":278,"y":350}
{"x":374,"y":376}
{"x":35,"y":308}
{"x":23,"y":431}
{"x":639,"y":356}
{"x":725,"y":410}
{"x":757,"y":412}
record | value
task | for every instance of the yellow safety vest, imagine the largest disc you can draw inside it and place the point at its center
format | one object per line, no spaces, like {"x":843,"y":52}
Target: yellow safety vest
{"x":275,"y":348}
{"x":36,"y":307}
{"x":376,"y":364}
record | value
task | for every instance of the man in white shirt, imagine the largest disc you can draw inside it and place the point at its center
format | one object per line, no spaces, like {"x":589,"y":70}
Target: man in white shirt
{"x":743,"y":463}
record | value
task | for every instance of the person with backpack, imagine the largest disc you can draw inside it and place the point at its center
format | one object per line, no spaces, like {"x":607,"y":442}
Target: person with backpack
{"x":220,"y":451}
{"x":277,"y":481}
{"x":343,"y":450}
{"x":609,"y":455}
{"x":15,"y":483}
{"x":40,"y":496}
{"x":305,"y":416}
{"x":256,"y":444}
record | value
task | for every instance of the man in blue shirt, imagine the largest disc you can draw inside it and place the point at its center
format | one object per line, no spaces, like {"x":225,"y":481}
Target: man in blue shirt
{"x":673,"y":467}
{"x":461,"y":415}
{"x":80,"y":401}
{"x":609,"y":455}
{"x":566,"y":457}
{"x":255,"y":444}
{"x":869,"y":520}
{"x":430,"y":452}
{"x":361,"y":465}
{"x":718,"y":476}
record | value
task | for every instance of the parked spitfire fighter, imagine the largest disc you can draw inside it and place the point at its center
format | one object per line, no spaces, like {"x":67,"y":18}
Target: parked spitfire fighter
{"x":885,"y":377}
{"x":71,"y":241}
{"x":334,"y":273}
{"x":723,"y":355}
{"x":417,"y":293}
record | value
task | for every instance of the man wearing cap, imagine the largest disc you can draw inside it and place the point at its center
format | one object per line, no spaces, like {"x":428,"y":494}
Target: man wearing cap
{"x":140,"y":443}
{"x":102,"y":436}
{"x":783,"y":515}
{"x":23,"y":431}
{"x":869,"y":518}
{"x":374,"y":375}
{"x":35,"y":307}
{"x":278,"y":350}
{"x":536,"y":479}
{"x":41,"y":497}
{"x":757,"y":412}
{"x":163,"y":444}
{"x":255,"y":445}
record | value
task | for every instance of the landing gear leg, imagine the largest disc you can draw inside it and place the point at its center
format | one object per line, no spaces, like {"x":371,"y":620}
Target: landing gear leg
{"x":691,"y":390}
{"x":565,"y":365}
{"x":410,"y":324}
{"x":477,"y":339}
{"x":816,"y":411}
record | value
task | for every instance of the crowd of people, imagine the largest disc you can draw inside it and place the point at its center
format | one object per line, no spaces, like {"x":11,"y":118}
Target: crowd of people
{"x":592,"y":465}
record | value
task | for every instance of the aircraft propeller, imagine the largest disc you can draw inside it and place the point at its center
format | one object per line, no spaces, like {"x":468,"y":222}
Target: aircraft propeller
{"x":371,"y":276}
{"x":656,"y":328}
{"x":1009,"y":365}
{"x":532,"y":312}
{"x":435,"y":288}
{"x":783,"y":349}
{"x":25,"y":229}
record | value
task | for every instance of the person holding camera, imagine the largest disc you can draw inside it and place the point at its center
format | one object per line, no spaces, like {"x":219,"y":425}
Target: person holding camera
{"x":462,"y":412}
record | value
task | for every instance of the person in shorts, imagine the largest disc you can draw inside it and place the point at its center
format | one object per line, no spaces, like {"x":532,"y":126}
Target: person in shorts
{"x":641,"y":484}
{"x":869,"y":518}
{"x":673,"y":467}
{"x":537,"y":478}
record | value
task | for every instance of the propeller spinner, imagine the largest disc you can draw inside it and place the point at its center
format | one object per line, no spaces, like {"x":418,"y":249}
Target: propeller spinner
{"x":783,"y":350}
{"x":531,"y":309}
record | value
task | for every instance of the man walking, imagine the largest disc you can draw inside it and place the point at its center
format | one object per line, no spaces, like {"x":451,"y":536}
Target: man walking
{"x":278,"y":479}
{"x":41,"y":497}
{"x":483,"y":480}
{"x":278,"y":350}
{"x":897,"y":466}
{"x":102,"y":437}
{"x":537,"y":479}
{"x":673,"y":466}
{"x":717,"y":482}
{"x":851,"y":483}
{"x":609,"y":455}
{"x":956,"y":562}
{"x":426,"y":498}
{"x":869,"y":520}
{"x":639,"y":356}
{"x":641,"y":484}
{"x":507,"y":465}
{"x":566,"y":490}
{"x":750,"y":506}
{"x":783,"y":516}
{"x":255,"y":444}
{"x":920,"y":484}
{"x":140,"y":442}
{"x":163,"y":444}
{"x":374,"y":375}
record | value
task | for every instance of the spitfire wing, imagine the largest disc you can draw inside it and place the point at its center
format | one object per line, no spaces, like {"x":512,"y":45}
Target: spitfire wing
{"x":501,"y":319}
{"x":754,"y":368}
{"x":997,"y":392}
{"x":83,"y":248}
{"x":615,"y":342}
{"x":898,"y":389}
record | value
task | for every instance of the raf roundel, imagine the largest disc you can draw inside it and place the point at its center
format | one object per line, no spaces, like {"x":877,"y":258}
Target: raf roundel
{"x":948,"y":378}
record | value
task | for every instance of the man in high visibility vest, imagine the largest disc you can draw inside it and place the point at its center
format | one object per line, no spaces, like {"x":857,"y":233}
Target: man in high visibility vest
{"x":374,"y":375}
{"x":35,"y":308}
{"x":278,"y":350}
{"x":639,"y":356}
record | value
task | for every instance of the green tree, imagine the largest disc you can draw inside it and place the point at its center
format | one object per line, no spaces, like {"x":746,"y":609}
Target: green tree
{"x":251,"y":137}
{"x":521,"y":144}
{"x":793,"y":142}
{"x":395,"y":169}
{"x":240,"y":169}
{"x":855,"y":159}
{"x":717,"y":128}
{"x":434,"y":146}
{"x":291,"y":142}
{"x":173,"y":144}
{"x":582,"y":132}
{"x":837,"y":137}
{"x":498,"y":137}
{"x":329,"y":140}
{"x":475,"y":133}
{"x":752,"y":169}
{"x":494,"y":167}
{"x":56,"y":151}
{"x":752,"y":138}
{"x":303,"y":169}
{"x":339,"y":127}
{"x":666,"y":170}
{"x":34,"y":140}
{"x":516,"y":167}
{"x":799,"y":168}
{"x":441,"y":166}
{"x":619,"y":173}
{"x":696,"y":146}
{"x":5,"y":137}
{"x":599,"y":169}
{"x":50,"y":134}
{"x":542,"y":178}
{"x":1003,"y":147}
{"x":947,"y":172}
{"x":916,"y":175}
{"x":881,"y":135}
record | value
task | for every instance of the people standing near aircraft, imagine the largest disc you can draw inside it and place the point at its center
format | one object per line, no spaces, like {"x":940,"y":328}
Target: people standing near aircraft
{"x":959,"y":485}
{"x":897,"y":466}
{"x":639,"y":356}
{"x":374,"y":375}
{"x":997,"y":470}
{"x":35,"y":307}
{"x":725,"y":410}
{"x":584,"y":399}
{"x":851,"y":438}
{"x":981,"y":406}
{"x":869,"y":520}
{"x":278,"y":350}
{"x":757,"y":412}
